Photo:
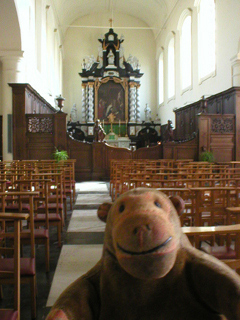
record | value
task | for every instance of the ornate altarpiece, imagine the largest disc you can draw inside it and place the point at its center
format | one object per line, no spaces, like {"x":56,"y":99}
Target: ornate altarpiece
{"x":110,"y":84}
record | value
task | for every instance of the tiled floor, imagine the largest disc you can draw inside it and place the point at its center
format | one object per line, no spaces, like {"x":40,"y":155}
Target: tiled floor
{"x":82,"y":239}
{"x":82,"y":257}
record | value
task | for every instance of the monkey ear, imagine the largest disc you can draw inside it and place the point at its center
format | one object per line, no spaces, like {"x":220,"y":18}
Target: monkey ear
{"x":178,"y":203}
{"x":103,"y":211}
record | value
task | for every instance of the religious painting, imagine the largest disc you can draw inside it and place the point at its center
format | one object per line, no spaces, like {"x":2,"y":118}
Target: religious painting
{"x":110,"y":102}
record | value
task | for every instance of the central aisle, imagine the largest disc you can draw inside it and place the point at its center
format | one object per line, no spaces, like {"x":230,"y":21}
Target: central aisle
{"x":84,"y":239}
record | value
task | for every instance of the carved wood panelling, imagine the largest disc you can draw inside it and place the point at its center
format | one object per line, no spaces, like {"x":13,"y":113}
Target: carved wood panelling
{"x":40,"y":146}
{"x":184,"y":150}
{"x":39,"y":125}
{"x":217,"y":134}
{"x":25,"y":100}
{"x":222,"y":125}
{"x":93,"y":159}
{"x":186,"y":125}
{"x":154,"y":152}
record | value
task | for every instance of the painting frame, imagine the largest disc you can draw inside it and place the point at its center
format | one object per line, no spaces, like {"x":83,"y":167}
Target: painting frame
{"x":111,"y":96}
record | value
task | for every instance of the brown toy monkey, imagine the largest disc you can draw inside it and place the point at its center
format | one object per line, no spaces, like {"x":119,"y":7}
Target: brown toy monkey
{"x":149,"y":270}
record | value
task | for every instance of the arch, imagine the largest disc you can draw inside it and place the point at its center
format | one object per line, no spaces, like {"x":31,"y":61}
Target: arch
{"x":161,"y":78}
{"x":171,"y":65}
{"x":183,"y":16}
{"x":206,"y":39}
{"x":185,"y":30}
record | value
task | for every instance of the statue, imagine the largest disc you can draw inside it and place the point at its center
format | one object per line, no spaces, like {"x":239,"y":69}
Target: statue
{"x":121,"y":57}
{"x":147,"y":111}
{"x":100,"y":56}
{"x":110,"y":57}
{"x":134,"y":62}
{"x":99,"y":133}
{"x":74,"y":113}
{"x":169,"y":131}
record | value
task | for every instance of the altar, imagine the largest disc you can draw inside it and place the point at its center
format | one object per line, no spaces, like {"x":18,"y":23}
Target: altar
{"x":110,"y":95}
{"x":120,"y":142}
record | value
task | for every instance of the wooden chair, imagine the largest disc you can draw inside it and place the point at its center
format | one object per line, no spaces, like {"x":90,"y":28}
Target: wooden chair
{"x":55,"y":204}
{"x":41,"y":234}
{"x":14,"y":274}
{"x":69,"y":165}
{"x":233,"y":258}
{"x":27,"y":264}
{"x":60,"y":181}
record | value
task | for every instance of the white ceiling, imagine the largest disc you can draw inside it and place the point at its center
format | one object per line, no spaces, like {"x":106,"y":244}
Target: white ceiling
{"x":153,"y":13}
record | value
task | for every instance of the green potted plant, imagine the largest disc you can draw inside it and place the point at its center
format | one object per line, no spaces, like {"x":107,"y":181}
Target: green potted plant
{"x":206,"y":156}
{"x":60,"y":155}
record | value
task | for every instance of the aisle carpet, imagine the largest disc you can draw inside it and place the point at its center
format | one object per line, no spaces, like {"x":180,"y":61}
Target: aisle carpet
{"x":76,"y":259}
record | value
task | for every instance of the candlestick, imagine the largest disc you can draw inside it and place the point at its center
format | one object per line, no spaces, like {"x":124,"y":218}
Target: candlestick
{"x":126,"y":130}
{"x":119,"y":131}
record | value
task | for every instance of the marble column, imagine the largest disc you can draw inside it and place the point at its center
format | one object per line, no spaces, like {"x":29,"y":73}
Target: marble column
{"x":132,"y":102}
{"x":138,"y":116}
{"x":13,"y":71}
{"x":84,"y":109}
{"x":90,"y":103}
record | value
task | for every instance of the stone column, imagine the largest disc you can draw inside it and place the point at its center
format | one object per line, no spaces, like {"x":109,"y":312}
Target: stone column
{"x":13,"y":71}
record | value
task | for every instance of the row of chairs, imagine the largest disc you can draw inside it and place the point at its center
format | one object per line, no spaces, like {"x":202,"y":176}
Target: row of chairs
{"x":11,"y":275}
{"x":211,"y":193}
{"x":41,"y":195}
{"x":124,"y":180}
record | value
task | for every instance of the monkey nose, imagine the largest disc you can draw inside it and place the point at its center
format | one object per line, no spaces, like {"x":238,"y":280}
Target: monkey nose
{"x":141,"y":234}
{"x":142,"y":228}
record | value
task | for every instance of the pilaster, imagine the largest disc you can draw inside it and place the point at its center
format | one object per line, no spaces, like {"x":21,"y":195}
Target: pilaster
{"x":236,"y":70}
{"x":13,"y":71}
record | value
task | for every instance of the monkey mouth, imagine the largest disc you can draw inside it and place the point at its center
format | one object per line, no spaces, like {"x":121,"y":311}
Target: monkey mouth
{"x":133,"y":253}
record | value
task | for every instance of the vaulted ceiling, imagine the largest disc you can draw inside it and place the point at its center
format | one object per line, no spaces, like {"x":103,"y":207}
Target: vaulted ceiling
{"x":154,"y":13}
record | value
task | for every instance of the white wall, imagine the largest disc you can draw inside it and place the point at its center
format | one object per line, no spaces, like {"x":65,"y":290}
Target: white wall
{"x":227,"y":40}
{"x":82,"y":42}
{"x":24,"y":53}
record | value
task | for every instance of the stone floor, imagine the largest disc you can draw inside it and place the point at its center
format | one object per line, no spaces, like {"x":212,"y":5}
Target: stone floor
{"x":82,"y":240}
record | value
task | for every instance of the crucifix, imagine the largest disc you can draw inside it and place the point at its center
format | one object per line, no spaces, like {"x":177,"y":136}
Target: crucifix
{"x":111,"y":118}
{"x":111,"y":22}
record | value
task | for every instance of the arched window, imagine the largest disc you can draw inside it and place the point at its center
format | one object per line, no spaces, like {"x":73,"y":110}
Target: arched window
{"x":171,"y":69}
{"x":206,"y":38}
{"x":38,"y":32}
{"x":186,"y":53}
{"x":161,"y":79}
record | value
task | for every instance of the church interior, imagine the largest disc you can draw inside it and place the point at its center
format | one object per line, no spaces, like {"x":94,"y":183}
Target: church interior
{"x":101,"y":97}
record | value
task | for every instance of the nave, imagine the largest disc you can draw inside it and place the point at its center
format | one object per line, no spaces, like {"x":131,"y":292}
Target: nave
{"x":82,"y":240}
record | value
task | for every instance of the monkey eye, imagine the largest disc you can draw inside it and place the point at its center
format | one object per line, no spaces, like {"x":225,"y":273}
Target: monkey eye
{"x":121,"y":208}
{"x":157,"y":204}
